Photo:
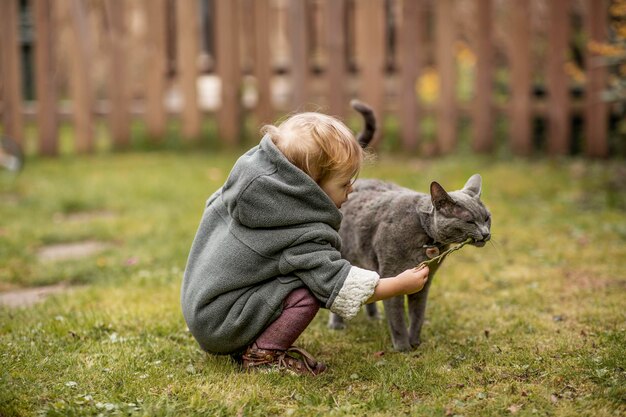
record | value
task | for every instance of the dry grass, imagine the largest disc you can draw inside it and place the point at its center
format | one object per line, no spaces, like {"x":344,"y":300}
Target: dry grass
{"x":533,"y":324}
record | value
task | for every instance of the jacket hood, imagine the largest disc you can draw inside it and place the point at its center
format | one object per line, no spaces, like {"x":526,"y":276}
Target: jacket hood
{"x":265,"y":190}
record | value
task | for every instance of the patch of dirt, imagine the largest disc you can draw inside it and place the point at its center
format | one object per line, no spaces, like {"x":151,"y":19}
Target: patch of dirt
{"x":588,"y":281}
{"x":74,"y":250}
{"x":30,"y":296}
{"x":10,"y":199}
{"x":83,"y":216}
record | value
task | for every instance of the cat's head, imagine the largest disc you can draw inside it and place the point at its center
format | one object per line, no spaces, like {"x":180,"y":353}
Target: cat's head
{"x":455,"y":216}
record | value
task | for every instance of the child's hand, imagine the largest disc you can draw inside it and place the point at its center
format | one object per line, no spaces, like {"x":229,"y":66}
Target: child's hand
{"x":414,"y":279}
{"x":408,"y":282}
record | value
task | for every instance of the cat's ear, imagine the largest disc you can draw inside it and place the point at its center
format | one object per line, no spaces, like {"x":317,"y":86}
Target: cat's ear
{"x":439,"y":196}
{"x":473,"y":186}
{"x":445,"y":204}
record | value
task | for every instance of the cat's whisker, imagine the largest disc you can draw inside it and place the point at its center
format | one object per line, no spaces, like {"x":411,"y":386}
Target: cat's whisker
{"x":493,"y":243}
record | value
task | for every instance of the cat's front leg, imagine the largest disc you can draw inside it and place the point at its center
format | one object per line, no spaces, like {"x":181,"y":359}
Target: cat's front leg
{"x":394,"y":311}
{"x":417,"y":314}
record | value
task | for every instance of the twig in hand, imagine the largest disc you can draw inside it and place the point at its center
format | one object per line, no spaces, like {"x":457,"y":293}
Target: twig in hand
{"x":439,"y":258}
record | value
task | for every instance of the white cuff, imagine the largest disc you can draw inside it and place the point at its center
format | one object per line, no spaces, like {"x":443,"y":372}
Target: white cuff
{"x":357,"y":289}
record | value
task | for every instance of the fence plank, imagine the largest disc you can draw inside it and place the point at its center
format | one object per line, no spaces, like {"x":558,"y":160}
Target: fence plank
{"x":187,"y":23}
{"x":411,"y":56}
{"x":370,"y":37}
{"x":370,"y":51}
{"x":11,"y":72}
{"x":447,"y":112}
{"x":300,"y":63}
{"x":596,"y":110}
{"x":336,"y":65}
{"x":228,"y":69}
{"x":264,"y":110}
{"x":119,"y":113}
{"x":247,"y":34}
{"x":520,"y":114}
{"x":558,"y":80}
{"x":483,"y":109}
{"x":45,"y":79}
{"x":155,"y":116}
{"x":81,"y":84}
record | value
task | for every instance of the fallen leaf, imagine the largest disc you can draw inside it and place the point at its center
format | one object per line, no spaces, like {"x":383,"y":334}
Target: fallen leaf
{"x":379,"y":353}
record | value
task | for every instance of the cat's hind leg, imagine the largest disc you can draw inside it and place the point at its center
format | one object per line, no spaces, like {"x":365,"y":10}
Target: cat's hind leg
{"x":372,"y":311}
{"x":336,"y":322}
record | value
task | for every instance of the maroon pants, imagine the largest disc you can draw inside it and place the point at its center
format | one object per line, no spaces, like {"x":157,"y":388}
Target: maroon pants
{"x":299,"y":309}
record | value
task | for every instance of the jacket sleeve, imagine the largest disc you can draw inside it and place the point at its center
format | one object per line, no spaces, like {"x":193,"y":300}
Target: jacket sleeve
{"x":340,"y":287}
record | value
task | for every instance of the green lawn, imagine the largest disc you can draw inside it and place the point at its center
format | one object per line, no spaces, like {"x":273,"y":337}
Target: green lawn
{"x":533,"y":324}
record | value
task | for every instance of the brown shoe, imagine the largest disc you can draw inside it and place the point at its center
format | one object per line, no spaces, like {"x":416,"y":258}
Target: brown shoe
{"x":257,"y":358}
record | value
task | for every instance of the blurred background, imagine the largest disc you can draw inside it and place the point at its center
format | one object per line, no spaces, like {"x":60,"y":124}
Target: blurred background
{"x":521,"y":77}
{"x":129,"y":114}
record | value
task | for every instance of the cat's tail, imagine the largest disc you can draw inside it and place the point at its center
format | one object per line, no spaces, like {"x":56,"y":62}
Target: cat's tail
{"x":367,"y":134}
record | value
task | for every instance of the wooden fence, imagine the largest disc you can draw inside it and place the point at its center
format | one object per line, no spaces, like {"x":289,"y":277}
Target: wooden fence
{"x":455,"y":62}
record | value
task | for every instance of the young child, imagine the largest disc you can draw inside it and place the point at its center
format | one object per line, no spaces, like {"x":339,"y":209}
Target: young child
{"x":266,"y":254}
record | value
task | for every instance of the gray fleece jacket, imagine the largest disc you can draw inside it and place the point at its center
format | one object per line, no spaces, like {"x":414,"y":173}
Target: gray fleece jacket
{"x":269,"y":230}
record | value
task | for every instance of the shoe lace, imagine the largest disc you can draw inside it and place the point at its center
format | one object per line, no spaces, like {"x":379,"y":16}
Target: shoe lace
{"x":307,"y":358}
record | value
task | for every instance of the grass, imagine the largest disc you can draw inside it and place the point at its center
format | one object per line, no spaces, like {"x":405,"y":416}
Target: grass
{"x":531,"y":325}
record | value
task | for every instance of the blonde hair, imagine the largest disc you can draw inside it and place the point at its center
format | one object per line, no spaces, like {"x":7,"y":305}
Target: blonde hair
{"x":318,"y":144}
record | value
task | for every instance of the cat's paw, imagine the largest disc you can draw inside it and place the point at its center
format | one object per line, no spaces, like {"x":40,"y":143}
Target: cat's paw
{"x":336,"y":326}
{"x":403,"y":346}
{"x":336,"y":323}
{"x":416,"y":344}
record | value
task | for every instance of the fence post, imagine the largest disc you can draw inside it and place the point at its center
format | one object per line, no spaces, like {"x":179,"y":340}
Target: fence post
{"x":187,"y":23}
{"x":47,"y":97}
{"x":119,"y":108}
{"x":156,"y":116}
{"x":81,"y":85}
{"x":410,"y":52}
{"x":595,"y":108}
{"x":447,"y":113}
{"x":228,"y":69}
{"x":370,"y":39}
{"x":262,"y":62}
{"x":558,"y":80}
{"x":336,"y":65}
{"x":300,"y":64}
{"x":520,"y":82}
{"x":10,"y":70}
{"x":483,"y":107}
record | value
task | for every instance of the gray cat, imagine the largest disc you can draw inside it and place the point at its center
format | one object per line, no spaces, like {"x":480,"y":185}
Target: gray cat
{"x":388,"y":229}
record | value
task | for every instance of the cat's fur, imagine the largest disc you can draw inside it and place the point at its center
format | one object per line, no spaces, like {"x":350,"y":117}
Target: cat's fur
{"x":387,"y":228}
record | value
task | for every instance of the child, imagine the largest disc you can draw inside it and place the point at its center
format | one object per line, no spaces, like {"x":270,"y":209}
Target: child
{"x":266,"y":253}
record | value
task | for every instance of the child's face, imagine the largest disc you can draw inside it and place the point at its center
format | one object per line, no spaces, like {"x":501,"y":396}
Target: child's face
{"x":337,"y":188}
